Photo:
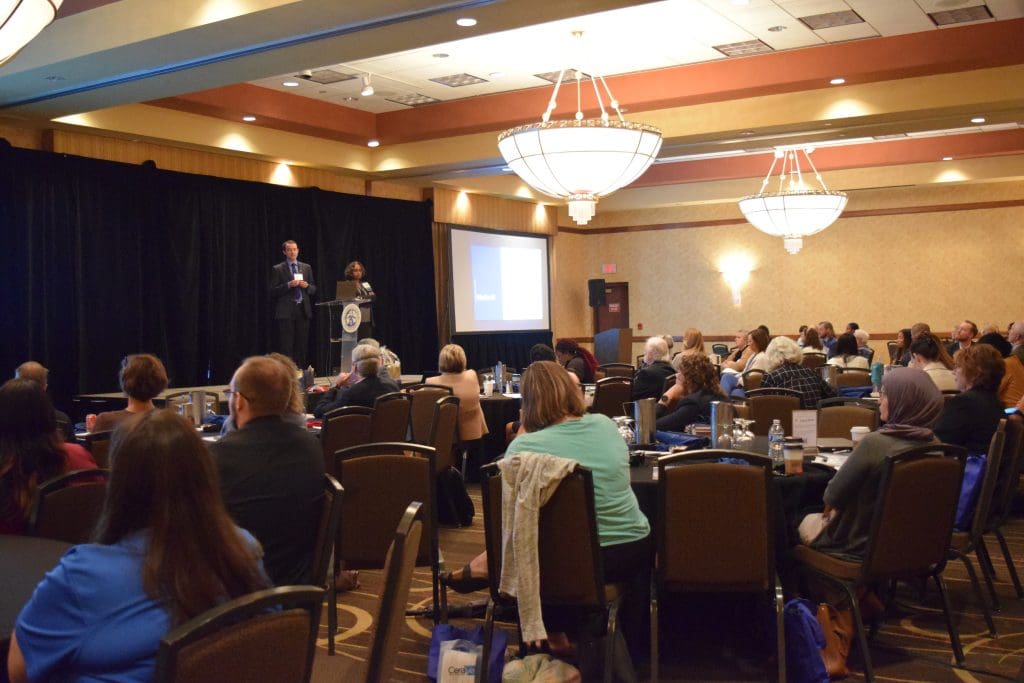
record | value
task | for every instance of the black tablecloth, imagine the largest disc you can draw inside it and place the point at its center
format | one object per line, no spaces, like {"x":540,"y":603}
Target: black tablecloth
{"x":498,"y":411}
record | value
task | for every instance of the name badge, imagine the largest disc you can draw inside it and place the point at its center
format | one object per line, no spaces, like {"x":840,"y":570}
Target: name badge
{"x":297,"y":276}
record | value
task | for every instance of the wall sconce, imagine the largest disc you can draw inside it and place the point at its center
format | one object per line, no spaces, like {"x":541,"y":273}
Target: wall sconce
{"x":735,"y":269}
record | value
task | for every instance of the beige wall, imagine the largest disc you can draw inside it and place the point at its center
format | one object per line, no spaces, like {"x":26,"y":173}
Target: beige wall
{"x":938,"y":264}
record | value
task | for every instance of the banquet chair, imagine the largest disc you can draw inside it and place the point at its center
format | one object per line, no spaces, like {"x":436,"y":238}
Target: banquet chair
{"x":569,"y":560}
{"x":421,"y":412}
{"x":66,"y":508}
{"x":610,"y":394}
{"x":849,"y":377}
{"x":380,"y":480}
{"x":327,"y":529}
{"x":390,"y":417}
{"x":836,"y":421}
{"x":617,"y":370}
{"x":669,"y":383}
{"x":969,"y":540}
{"x":269,"y":635}
{"x":813,"y":360}
{"x":342,"y":428}
{"x":767,"y":407}
{"x":714,"y":534}
{"x":98,"y":444}
{"x":398,"y":568}
{"x":752,"y":379}
{"x":894,"y":349}
{"x":444,"y":429}
{"x":1002,"y":503}
{"x":907,"y":540}
{"x":720,"y":349}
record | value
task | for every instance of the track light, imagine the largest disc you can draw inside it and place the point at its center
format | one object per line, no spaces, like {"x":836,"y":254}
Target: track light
{"x":367,"y":90}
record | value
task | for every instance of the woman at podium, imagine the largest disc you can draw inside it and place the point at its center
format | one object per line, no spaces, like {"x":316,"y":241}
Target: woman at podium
{"x":355,"y":271}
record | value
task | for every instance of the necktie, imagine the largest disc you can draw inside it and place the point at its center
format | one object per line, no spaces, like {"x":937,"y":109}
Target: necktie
{"x":297,"y":292}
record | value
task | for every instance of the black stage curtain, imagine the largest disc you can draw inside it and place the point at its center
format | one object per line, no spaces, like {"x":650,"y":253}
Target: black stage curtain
{"x":511,"y":348}
{"x":105,"y":259}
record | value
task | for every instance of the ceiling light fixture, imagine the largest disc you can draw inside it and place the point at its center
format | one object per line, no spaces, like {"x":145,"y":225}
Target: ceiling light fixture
{"x":373,"y":143}
{"x":367,"y":90}
{"x":978,"y":119}
{"x":947,"y":158}
{"x":580,"y":160}
{"x":466,"y":21}
{"x":21,"y":22}
{"x":290,"y":84}
{"x":248,"y":118}
{"x":796,"y":210}
{"x":838,"y":81}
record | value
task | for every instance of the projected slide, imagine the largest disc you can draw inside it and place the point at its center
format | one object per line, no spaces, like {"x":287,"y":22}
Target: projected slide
{"x":499,"y":281}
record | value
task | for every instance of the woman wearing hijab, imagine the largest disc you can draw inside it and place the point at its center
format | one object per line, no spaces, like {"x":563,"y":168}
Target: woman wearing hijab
{"x":909,"y":404}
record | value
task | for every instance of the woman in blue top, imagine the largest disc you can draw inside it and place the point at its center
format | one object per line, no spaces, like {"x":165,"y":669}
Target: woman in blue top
{"x":167,"y":551}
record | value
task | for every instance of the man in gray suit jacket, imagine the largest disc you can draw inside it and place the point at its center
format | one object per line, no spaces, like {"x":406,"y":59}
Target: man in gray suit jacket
{"x":291,"y":287}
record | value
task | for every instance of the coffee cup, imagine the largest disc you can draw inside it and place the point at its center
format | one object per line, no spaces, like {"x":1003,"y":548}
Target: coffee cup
{"x":857,"y":433}
{"x":488,"y":387}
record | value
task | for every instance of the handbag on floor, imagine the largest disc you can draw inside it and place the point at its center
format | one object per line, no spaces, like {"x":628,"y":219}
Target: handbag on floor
{"x":837,"y":627}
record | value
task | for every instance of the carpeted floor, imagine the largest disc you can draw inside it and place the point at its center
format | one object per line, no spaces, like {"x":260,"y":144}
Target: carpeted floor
{"x":911,"y":646}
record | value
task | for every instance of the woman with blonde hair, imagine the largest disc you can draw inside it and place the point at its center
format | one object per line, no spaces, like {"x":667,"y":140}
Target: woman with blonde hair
{"x":465,"y":384}
{"x":693,"y":341}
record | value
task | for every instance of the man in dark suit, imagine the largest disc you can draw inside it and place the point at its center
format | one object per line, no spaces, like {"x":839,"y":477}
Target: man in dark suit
{"x":271,"y":471}
{"x":361,"y":387}
{"x":36,"y":372}
{"x":291,"y":288}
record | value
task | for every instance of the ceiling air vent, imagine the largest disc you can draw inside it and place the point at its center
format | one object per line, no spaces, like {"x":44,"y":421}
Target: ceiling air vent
{"x":961,"y":16}
{"x":747,"y":47}
{"x":326,"y":76}
{"x":459,"y":80}
{"x":816,"y":22}
{"x":412,"y":99}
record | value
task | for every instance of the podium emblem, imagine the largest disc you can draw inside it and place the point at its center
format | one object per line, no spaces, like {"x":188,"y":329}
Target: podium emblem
{"x":350,"y":318}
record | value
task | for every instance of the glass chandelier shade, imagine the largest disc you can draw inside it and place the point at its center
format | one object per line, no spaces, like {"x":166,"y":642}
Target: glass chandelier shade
{"x":21,"y":21}
{"x":580,"y":160}
{"x":796,"y":210}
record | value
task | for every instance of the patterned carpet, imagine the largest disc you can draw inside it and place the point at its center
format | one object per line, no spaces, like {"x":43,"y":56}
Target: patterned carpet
{"x":912,"y":644}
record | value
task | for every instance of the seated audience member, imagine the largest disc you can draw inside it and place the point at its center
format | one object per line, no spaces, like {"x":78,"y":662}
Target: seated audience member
{"x":670,"y":342}
{"x":389,"y":363}
{"x":649,"y":380}
{"x":166,"y":551}
{"x":757,"y":342}
{"x":963,"y":337}
{"x":996,"y":341}
{"x":901,"y":355}
{"x":927,"y":353}
{"x":741,"y":352}
{"x":851,"y":328}
{"x":909,"y":405}
{"x":296,"y":412}
{"x":812,"y":342}
{"x":557,"y":423}
{"x":40,"y":375}
{"x":361,"y":387}
{"x":32,"y":451}
{"x":970,"y":418}
{"x":697,"y":386}
{"x":862,"y":338}
{"x":827,"y":334}
{"x":451,"y":361}
{"x":693,"y":341}
{"x":844,"y":354}
{"x":142,"y":378}
{"x":789,"y":373}
{"x":576,"y":359}
{"x":802,"y":339}
{"x":1011,"y":389}
{"x":271,"y":470}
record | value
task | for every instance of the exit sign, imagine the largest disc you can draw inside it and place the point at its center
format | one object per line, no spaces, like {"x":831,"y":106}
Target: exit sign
{"x":608,"y":268}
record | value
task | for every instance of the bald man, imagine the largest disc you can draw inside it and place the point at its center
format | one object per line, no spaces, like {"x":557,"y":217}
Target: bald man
{"x":40,"y":375}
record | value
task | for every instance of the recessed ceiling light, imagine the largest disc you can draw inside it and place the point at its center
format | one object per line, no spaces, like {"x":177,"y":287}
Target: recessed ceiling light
{"x":776,"y":29}
{"x":373,"y":143}
{"x":947,"y":158}
{"x":440,"y":55}
{"x":248,"y":118}
{"x":838,"y":81}
{"x":466,"y":21}
{"x":978,"y":119}
{"x":290,"y":84}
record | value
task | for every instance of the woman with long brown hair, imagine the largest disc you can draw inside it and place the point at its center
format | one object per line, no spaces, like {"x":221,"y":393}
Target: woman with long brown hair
{"x":32,"y":450}
{"x":166,"y":551}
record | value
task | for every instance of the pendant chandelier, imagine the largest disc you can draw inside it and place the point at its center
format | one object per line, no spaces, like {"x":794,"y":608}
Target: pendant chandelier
{"x":21,"y":21}
{"x":580,"y":160}
{"x":797,"y":210}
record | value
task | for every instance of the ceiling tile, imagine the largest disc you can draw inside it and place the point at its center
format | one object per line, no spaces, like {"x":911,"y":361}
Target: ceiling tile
{"x":893,"y":18}
{"x":838,"y":34}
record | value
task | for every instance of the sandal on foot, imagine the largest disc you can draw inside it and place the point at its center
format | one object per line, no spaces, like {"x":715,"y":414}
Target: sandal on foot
{"x":465,"y":582}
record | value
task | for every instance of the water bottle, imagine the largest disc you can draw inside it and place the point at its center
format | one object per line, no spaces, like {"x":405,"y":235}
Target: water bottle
{"x":877,"y":371}
{"x":776,"y":435}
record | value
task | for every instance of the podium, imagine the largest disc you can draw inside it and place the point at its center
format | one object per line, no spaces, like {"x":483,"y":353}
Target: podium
{"x":345,"y":317}
{"x":614,"y":346}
